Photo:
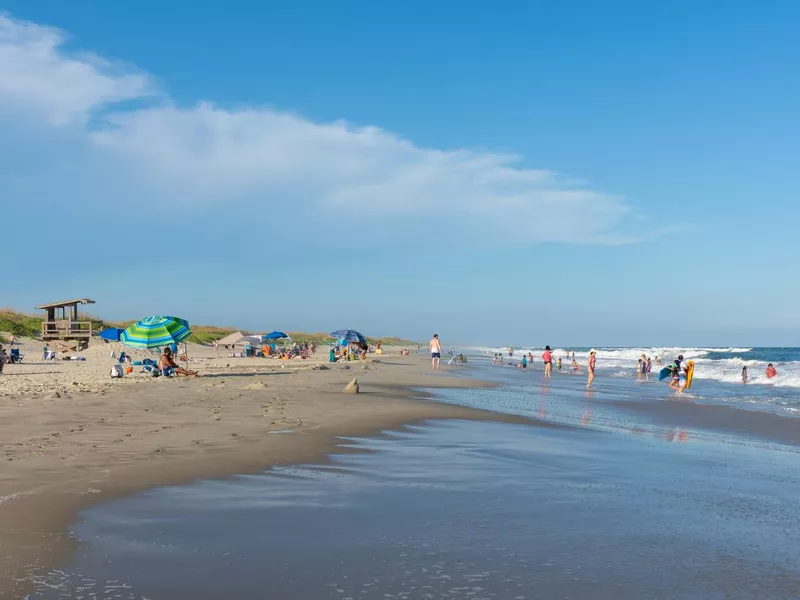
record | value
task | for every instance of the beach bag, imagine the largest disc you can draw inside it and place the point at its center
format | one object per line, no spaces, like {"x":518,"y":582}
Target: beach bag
{"x":116,"y":371}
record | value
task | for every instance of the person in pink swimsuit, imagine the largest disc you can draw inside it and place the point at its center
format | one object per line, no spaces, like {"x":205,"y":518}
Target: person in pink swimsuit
{"x":547,"y":357}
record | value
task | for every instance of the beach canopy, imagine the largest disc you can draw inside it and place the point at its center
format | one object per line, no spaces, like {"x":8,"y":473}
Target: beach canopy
{"x":112,"y":334}
{"x":234,"y":339}
{"x":350,"y":335}
{"x":156,"y":331}
{"x":275,"y":335}
{"x":253,"y":340}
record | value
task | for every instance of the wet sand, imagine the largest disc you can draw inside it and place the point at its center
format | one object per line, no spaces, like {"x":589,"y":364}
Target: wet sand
{"x":457,"y":510}
{"x":63,"y":453}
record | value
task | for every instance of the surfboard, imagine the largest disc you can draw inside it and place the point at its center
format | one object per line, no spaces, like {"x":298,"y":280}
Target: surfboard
{"x":689,"y":374}
{"x":664,"y":373}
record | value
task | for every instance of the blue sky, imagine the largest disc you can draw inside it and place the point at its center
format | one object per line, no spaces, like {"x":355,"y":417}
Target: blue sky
{"x":575,"y":172}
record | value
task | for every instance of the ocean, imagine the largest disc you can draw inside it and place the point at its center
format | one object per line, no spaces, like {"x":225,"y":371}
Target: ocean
{"x":715,"y":368}
{"x":629,"y":492}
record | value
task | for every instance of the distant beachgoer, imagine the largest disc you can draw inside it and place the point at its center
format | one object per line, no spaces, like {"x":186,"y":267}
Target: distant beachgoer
{"x":643,"y":368}
{"x":576,"y":368}
{"x":639,"y":370}
{"x":494,"y":359}
{"x":3,"y":358}
{"x":573,"y":355}
{"x":658,"y":360}
{"x":12,"y":339}
{"x":167,"y":362}
{"x":530,"y":359}
{"x":592,"y":366}
{"x":524,"y":363}
{"x":547,"y":357}
{"x":559,"y":364}
{"x":771,"y":371}
{"x":332,"y":355}
{"x":678,"y":362}
{"x":649,"y":366}
{"x":745,"y":379}
{"x":436,"y":351}
{"x":500,"y":359}
{"x":511,"y":352}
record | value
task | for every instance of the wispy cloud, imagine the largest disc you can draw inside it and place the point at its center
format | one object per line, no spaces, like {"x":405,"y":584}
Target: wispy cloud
{"x":254,"y":160}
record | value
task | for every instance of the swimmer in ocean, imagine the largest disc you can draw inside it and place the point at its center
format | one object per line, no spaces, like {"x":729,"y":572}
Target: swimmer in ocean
{"x":745,"y":379}
{"x":559,"y":364}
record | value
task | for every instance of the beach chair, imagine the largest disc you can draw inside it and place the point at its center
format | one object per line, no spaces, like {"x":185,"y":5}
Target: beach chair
{"x":15,"y":356}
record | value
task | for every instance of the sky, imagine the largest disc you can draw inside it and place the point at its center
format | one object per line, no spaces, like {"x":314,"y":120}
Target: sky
{"x":511,"y":173}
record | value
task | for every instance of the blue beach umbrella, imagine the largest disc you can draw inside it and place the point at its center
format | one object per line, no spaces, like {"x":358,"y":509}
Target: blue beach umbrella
{"x":350,"y":335}
{"x":275,"y":335}
{"x":156,"y":331}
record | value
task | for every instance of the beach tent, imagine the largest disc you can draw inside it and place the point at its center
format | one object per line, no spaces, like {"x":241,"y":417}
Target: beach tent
{"x":111,"y":334}
{"x":235,"y":339}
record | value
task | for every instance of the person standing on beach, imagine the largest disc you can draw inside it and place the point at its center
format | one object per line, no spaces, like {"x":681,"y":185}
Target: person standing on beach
{"x":547,"y":357}
{"x":592,"y":365}
{"x":436,"y":351}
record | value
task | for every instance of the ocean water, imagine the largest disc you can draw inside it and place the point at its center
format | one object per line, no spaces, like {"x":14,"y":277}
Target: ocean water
{"x":718,"y":372}
{"x":612,"y":498}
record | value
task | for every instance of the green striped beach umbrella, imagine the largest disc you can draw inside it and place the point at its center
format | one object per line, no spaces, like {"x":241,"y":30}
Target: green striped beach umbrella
{"x":156,"y":331}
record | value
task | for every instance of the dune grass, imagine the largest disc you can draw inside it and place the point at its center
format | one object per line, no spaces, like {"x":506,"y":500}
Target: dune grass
{"x":24,"y":325}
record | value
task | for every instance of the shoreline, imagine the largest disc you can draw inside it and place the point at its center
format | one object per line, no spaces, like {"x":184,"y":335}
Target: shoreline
{"x":63,"y":455}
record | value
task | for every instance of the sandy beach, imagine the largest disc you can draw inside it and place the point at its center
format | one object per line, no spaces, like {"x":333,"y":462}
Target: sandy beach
{"x":73,"y":437}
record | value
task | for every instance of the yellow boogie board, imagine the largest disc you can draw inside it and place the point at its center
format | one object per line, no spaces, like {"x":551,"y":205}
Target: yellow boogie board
{"x":689,"y":374}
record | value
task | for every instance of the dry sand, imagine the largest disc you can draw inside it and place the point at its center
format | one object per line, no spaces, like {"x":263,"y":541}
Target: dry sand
{"x":72,"y":436}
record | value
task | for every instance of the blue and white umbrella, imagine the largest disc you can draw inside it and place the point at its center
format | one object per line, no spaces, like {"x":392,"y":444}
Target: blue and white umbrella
{"x":275,"y":335}
{"x":350,"y":335}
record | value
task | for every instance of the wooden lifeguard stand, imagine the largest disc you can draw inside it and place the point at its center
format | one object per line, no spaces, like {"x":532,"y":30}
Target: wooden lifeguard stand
{"x":61,"y":323}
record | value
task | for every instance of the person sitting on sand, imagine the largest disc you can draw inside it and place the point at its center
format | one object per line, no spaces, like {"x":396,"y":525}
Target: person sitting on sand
{"x":167,"y":362}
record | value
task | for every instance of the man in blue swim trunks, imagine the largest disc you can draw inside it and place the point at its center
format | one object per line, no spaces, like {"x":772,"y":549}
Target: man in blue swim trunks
{"x":436,"y":350}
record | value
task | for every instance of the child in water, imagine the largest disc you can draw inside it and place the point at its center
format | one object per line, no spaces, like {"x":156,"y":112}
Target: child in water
{"x":575,"y":366}
{"x":744,"y":375}
{"x":675,"y":384}
{"x":559,"y":364}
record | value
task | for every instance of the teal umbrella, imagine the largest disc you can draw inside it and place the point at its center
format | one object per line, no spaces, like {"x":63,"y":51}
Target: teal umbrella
{"x":156,"y":331}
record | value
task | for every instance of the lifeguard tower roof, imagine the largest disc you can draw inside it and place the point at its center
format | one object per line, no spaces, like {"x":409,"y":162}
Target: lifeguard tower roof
{"x":65,"y":303}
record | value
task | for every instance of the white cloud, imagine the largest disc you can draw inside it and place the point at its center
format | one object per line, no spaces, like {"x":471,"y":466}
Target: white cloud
{"x":37,"y":76}
{"x":250,"y":159}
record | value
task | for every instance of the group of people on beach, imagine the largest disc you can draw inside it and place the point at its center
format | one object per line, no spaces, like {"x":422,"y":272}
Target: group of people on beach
{"x":548,"y":360}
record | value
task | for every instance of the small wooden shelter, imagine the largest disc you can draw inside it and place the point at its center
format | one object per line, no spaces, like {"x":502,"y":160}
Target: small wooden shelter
{"x":61,"y":323}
